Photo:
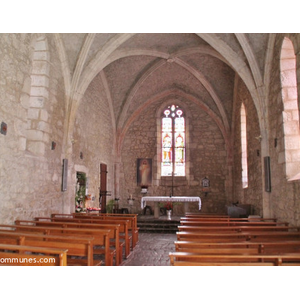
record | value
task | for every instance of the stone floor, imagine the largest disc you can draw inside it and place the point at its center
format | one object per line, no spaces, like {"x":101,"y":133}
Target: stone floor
{"x":152,"y":250}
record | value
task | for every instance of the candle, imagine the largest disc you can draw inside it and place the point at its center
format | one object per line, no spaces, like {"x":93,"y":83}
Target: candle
{"x":130,"y":196}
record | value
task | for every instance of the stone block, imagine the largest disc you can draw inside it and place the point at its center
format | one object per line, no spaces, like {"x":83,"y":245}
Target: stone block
{"x":37,"y":91}
{"x":40,"y":67}
{"x":40,"y":80}
{"x":36,"y":147}
{"x":44,"y":115}
{"x":35,"y":135}
{"x":292,"y":142}
{"x":41,"y":55}
{"x":37,"y":102}
{"x":33,"y":113}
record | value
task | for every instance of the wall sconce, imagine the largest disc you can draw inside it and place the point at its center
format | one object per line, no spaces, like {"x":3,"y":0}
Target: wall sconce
{"x":53,"y":146}
{"x":205,"y":185}
{"x":3,"y":128}
{"x":81,"y":155}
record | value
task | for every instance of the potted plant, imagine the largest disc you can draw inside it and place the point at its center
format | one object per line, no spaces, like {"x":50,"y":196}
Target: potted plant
{"x":110,"y":206}
{"x":169,"y":206}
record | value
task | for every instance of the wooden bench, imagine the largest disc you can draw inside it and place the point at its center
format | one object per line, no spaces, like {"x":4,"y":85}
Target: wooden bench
{"x":116,"y":251}
{"x":101,"y":236}
{"x":123,"y":230}
{"x":226,"y":217}
{"x":124,"y":227}
{"x":77,"y":246}
{"x":131,"y":217}
{"x":132,"y":225}
{"x":238,"y":236}
{"x":192,"y":259}
{"x":197,"y":222}
{"x":279,"y":247}
{"x":115,"y":234}
{"x":221,"y":229}
{"x":20,"y":255}
{"x":206,"y":215}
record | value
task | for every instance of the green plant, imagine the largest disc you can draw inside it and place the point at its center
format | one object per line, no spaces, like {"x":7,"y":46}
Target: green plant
{"x":109,"y":206}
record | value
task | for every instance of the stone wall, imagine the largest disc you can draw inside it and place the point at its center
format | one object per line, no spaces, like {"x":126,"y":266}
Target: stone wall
{"x":94,"y":138}
{"x":206,"y":157}
{"x":284,"y":196}
{"x":30,"y":172}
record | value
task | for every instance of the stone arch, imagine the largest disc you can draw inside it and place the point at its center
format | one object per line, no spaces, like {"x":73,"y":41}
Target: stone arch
{"x":290,"y":114}
{"x":38,"y":129}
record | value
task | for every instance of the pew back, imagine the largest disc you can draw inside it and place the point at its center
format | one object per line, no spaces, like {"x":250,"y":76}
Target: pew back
{"x":17,"y":255}
{"x":101,"y":236}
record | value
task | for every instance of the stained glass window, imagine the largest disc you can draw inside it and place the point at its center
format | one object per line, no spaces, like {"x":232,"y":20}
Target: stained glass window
{"x":173,"y":142}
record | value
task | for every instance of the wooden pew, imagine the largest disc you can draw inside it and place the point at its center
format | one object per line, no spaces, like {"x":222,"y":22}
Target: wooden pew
{"x":222,"y":217}
{"x":238,"y":236}
{"x":132,"y":225}
{"x":119,"y":230}
{"x":192,"y":259}
{"x":123,"y":230}
{"x":197,"y":222}
{"x":221,"y":229}
{"x":114,"y":233}
{"x":206,"y":215}
{"x":101,"y":236}
{"x":124,"y":227}
{"x":77,"y":246}
{"x":241,"y":220}
{"x":17,"y":255}
{"x":279,"y":247}
{"x":132,"y":218}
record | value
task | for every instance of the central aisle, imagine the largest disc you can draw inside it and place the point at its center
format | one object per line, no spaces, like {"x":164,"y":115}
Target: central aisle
{"x":152,"y":250}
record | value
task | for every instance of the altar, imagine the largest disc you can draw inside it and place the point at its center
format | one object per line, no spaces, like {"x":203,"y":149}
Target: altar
{"x":157,"y":199}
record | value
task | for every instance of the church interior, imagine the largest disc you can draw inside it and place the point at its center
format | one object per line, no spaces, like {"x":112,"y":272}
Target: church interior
{"x":86,"y":109}
{"x":115,"y":129}
{"x":97,"y":123}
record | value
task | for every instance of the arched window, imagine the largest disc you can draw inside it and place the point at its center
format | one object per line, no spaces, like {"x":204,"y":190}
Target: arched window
{"x":244,"y":147}
{"x":173,"y":141}
{"x":290,"y":108}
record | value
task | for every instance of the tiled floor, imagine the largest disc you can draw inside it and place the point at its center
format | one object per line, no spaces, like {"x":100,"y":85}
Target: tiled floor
{"x":152,"y":250}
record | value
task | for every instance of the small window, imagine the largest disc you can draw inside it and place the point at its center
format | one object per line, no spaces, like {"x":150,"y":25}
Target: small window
{"x":244,"y":147}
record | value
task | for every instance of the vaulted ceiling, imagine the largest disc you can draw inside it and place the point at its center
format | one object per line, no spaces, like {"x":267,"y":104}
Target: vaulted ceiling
{"x":144,"y":66}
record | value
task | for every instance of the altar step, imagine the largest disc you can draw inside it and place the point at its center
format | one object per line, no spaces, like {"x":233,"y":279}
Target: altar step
{"x":158,"y":226}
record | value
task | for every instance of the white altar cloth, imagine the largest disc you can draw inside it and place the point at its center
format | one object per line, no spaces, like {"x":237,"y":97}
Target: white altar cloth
{"x":172,"y":199}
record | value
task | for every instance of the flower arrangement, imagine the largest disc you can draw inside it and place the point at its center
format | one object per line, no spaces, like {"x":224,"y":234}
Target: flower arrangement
{"x":168,"y":205}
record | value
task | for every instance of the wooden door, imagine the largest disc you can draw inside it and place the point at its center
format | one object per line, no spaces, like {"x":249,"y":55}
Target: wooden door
{"x":103,"y":186}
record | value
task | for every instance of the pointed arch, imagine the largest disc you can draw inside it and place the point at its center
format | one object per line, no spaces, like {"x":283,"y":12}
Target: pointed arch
{"x":290,"y":114}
